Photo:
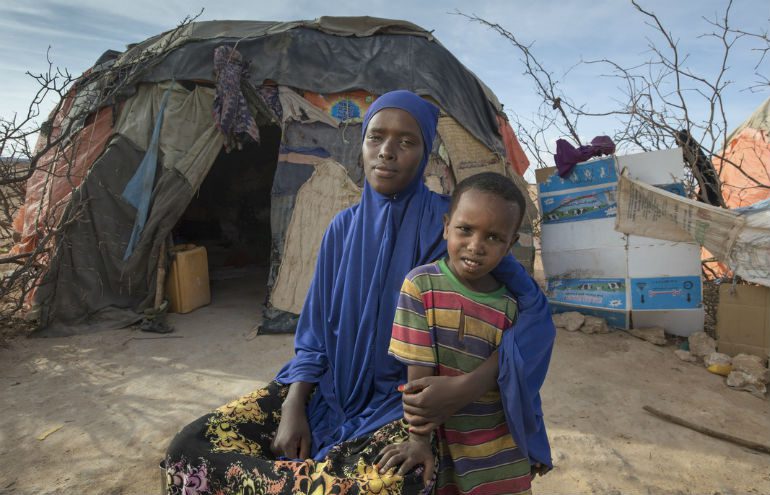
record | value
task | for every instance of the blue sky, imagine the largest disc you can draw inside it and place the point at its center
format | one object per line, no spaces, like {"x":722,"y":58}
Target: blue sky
{"x":563,"y":32}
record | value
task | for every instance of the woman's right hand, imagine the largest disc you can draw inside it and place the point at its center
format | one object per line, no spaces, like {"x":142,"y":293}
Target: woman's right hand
{"x":292,"y":439}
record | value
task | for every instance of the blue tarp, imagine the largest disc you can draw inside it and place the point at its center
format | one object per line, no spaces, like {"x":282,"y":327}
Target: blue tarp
{"x":138,"y":191}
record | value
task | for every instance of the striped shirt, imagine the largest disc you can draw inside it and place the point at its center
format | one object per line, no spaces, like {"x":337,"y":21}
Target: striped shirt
{"x":442,"y":324}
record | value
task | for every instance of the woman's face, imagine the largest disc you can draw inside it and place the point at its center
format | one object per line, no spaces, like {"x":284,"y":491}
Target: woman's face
{"x":392,"y":150}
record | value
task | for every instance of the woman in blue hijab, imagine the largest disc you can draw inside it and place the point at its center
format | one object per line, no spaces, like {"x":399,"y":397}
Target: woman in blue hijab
{"x":335,"y":405}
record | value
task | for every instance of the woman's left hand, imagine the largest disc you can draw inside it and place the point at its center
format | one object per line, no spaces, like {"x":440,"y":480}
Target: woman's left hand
{"x":430,"y":401}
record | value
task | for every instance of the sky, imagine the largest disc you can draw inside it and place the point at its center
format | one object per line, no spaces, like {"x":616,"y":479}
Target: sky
{"x":562,"y":33}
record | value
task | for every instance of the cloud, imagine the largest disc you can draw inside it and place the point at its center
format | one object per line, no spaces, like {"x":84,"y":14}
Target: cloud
{"x":562,"y":32}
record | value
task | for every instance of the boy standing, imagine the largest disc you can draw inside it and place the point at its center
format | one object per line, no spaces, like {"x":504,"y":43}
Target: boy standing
{"x":450,"y":319}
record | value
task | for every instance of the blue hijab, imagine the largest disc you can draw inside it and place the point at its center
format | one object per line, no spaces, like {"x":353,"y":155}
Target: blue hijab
{"x":344,"y":329}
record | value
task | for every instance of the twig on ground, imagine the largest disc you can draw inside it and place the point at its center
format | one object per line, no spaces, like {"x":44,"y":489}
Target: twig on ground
{"x":708,"y":431}
{"x":153,"y":338}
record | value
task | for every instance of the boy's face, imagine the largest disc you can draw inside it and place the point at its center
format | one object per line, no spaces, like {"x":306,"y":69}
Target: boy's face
{"x":479,"y":233}
{"x":392,"y":150}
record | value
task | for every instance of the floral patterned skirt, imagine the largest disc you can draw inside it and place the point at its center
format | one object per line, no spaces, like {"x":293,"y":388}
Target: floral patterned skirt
{"x":228,"y":452}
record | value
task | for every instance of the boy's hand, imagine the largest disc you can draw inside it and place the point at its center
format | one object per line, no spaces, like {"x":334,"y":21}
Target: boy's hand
{"x":430,"y":401}
{"x":408,"y":455}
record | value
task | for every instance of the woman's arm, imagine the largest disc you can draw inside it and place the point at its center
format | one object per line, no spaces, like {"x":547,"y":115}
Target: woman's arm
{"x":299,"y":392}
{"x":310,"y":361}
{"x":292,"y":438}
{"x":414,"y":373}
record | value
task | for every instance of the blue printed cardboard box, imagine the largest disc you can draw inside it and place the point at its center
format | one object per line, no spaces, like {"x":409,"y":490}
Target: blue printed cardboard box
{"x":591,"y":268}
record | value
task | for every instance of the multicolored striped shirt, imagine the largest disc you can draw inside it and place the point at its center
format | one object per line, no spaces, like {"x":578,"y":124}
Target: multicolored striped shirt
{"x":442,"y":324}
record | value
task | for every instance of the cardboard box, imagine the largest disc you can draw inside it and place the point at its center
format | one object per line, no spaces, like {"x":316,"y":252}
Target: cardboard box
{"x":187,"y":282}
{"x":592,"y":268}
{"x":743,"y":320}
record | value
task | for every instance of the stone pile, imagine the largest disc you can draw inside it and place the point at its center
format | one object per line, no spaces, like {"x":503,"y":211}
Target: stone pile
{"x":572,"y":321}
{"x":744,"y":371}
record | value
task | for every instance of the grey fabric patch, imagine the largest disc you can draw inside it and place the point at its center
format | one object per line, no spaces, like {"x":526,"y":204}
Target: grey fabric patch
{"x":88,"y":286}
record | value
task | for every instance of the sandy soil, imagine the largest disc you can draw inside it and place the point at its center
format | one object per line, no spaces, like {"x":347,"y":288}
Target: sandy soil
{"x":115,"y":399}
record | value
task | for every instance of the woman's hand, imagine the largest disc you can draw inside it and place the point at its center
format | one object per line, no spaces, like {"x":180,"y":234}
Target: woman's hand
{"x":430,"y":401}
{"x":292,"y":439}
{"x":407,"y":455}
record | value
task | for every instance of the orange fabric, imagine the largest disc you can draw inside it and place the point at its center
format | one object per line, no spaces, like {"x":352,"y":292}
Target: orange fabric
{"x":58,"y":173}
{"x":750,"y":149}
{"x":35,"y":184}
{"x":18,"y":220}
{"x":515,"y":154}
{"x":353,"y":102}
{"x":715,"y":269}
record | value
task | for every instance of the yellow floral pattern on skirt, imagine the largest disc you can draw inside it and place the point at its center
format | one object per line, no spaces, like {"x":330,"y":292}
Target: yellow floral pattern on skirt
{"x":313,"y":478}
{"x":223,"y":429}
{"x":228,"y":452}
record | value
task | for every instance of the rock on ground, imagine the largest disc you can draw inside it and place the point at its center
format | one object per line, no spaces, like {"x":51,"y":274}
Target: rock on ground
{"x":570,"y":321}
{"x":744,"y":381}
{"x":751,"y":365}
{"x":685,"y":356}
{"x":701,"y":345}
{"x":656,"y":335}
{"x":594,"y":324}
{"x":717,"y":358}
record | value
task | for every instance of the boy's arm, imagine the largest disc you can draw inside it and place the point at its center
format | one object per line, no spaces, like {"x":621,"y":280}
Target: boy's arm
{"x":430,"y":400}
{"x":412,"y":344}
{"x":416,"y":373}
{"x":417,"y":450}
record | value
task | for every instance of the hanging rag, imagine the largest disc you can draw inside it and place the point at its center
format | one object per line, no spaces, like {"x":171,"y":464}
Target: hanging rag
{"x":269,"y":95}
{"x":231,"y":111}
{"x":295,"y":107}
{"x":513,"y":149}
{"x":138,"y":191}
{"x":567,"y":156}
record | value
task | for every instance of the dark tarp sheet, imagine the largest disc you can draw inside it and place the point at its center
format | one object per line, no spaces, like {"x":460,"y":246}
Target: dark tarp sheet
{"x":309,"y":59}
{"x":340,"y":26}
{"x":92,"y":256}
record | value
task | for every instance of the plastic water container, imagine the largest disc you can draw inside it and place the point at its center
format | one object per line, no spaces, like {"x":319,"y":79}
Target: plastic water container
{"x":187,"y":282}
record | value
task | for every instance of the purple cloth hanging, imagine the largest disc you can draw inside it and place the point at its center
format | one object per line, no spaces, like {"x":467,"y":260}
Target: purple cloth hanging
{"x":567,"y":156}
{"x":231,"y":113}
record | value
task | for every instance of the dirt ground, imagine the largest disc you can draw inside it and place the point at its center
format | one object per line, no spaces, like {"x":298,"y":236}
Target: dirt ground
{"x":109,"y":404}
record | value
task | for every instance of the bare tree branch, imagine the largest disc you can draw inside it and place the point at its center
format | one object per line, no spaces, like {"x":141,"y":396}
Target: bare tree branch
{"x":661,"y":102}
{"x":547,"y":86}
{"x":77,"y":103}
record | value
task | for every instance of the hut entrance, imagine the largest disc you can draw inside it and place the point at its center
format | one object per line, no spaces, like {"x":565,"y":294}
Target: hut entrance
{"x":230,"y":217}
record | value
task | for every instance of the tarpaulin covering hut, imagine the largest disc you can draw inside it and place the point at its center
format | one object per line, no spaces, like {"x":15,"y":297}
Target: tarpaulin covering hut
{"x":259,"y":121}
{"x":745,"y":169}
